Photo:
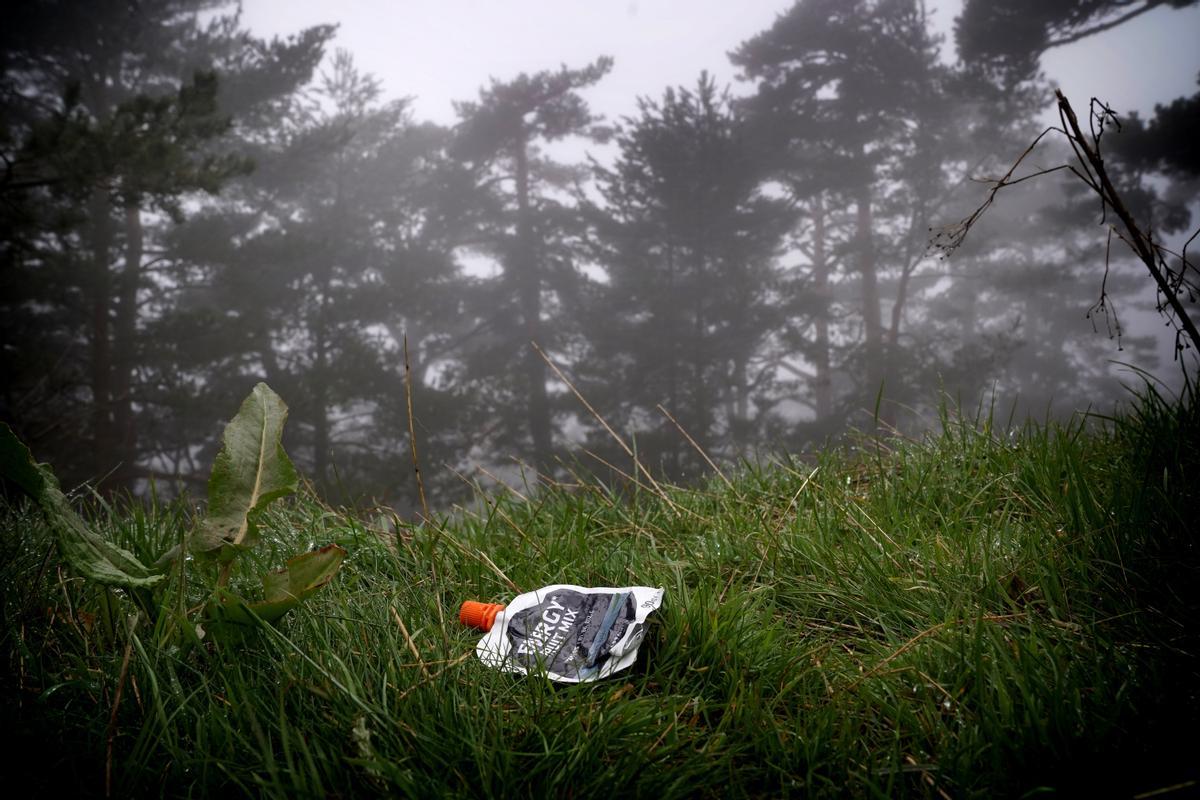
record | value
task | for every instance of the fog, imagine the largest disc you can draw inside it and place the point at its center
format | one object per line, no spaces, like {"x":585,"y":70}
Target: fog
{"x":576,"y":236}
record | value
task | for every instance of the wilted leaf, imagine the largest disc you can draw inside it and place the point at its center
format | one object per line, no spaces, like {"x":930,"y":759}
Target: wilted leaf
{"x":284,"y":589}
{"x":251,"y":470}
{"x":85,"y":551}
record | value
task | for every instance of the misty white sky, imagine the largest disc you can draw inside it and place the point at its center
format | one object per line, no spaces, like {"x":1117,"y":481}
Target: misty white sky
{"x":436,"y":51}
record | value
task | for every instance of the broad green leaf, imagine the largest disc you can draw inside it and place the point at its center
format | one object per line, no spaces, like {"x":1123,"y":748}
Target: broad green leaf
{"x":251,"y":470}
{"x":284,"y":589}
{"x":17,"y":464}
{"x":84,"y":550}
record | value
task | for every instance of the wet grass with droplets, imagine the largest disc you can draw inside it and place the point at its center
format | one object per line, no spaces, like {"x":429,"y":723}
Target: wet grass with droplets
{"x":978,"y":614}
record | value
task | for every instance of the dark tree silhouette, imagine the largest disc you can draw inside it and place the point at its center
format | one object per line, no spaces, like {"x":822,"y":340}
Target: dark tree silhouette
{"x":497,"y":134}
{"x":103,"y":138}
{"x":1009,"y":36}
{"x":848,"y":98}
{"x":688,"y":243}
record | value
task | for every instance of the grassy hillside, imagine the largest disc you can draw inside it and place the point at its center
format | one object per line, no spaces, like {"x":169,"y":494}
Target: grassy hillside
{"x":978,"y":614}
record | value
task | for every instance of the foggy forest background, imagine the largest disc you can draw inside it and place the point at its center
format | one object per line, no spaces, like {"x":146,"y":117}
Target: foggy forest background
{"x":186,"y":209}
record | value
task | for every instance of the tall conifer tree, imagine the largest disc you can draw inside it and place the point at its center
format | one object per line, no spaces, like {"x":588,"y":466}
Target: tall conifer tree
{"x":499,"y":135}
{"x":688,"y":243}
{"x":114,"y":116}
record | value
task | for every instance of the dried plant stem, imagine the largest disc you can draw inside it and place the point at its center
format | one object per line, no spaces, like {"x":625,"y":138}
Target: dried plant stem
{"x":223,"y":576}
{"x":628,"y":451}
{"x":696,"y":446}
{"x":1138,"y":240}
{"x":412,"y":442}
{"x":112,"y":717}
{"x":1000,"y":618}
{"x":412,"y":432}
{"x":1091,"y":170}
{"x":412,"y":646}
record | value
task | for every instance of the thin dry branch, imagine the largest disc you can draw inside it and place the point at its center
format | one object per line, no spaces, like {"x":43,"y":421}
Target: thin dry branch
{"x":628,"y":451}
{"x":1103,"y":304}
{"x":696,"y":446}
{"x":950,"y":237}
{"x":1100,"y":27}
{"x":1170,"y":283}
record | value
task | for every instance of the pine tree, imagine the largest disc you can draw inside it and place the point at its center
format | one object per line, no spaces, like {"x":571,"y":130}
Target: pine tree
{"x":847,"y":96}
{"x":116,"y":117}
{"x":498,"y":137}
{"x":328,"y":261}
{"x":687,"y":240}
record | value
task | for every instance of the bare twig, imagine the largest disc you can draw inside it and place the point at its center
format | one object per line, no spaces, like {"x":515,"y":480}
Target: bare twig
{"x":435,"y":675}
{"x":951,"y":237}
{"x":1140,"y":240}
{"x":481,"y":556}
{"x":1163,"y":790}
{"x":628,"y":451}
{"x":1090,"y":168}
{"x":412,"y":441}
{"x":1104,"y":304}
{"x":697,"y":448}
{"x":485,"y":471}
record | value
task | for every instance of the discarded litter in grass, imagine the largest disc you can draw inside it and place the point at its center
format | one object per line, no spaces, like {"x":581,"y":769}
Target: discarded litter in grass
{"x":570,"y":633}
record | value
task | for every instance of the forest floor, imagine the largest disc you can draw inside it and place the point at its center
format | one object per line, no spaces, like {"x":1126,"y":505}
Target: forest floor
{"x":978,"y":614}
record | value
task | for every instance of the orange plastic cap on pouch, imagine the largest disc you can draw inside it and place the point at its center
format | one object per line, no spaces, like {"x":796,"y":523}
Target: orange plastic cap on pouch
{"x":479,"y":615}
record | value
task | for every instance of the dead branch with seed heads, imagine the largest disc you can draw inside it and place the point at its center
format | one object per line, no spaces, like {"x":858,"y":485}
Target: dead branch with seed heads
{"x":1173,"y":282}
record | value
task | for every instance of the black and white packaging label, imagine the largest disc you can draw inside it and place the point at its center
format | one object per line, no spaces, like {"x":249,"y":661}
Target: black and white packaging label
{"x":570,"y":633}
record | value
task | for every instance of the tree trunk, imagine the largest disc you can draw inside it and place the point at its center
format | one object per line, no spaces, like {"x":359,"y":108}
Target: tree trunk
{"x":820,"y":266}
{"x":739,"y":422}
{"x":272,"y":371}
{"x":700,"y":388}
{"x":124,"y":347}
{"x":529,"y":288}
{"x":872,"y":325}
{"x":674,"y":354}
{"x":321,"y":390}
{"x":100,"y":286}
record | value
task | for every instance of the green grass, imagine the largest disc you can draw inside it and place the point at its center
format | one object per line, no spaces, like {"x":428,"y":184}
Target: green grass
{"x":975,"y":615}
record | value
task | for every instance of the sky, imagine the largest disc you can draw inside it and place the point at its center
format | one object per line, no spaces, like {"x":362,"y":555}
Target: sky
{"x":437,"y":51}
